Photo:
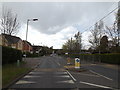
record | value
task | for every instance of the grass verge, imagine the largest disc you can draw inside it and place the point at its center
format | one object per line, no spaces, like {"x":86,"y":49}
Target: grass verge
{"x":12,"y":71}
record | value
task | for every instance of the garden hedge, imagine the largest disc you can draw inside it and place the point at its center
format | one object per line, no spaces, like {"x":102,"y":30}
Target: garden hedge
{"x":112,"y":58}
{"x":10,"y":55}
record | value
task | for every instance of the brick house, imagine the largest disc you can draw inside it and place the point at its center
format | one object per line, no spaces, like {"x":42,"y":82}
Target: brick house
{"x":37,"y":49}
{"x":11,"y":41}
{"x":3,"y":41}
{"x":27,"y":47}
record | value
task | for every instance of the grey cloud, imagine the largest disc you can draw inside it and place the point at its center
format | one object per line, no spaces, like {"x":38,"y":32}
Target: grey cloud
{"x":53,"y":17}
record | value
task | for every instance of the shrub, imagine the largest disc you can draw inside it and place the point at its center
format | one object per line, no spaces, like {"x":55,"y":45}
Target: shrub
{"x":112,"y":58}
{"x":10,"y":55}
{"x":106,"y":58}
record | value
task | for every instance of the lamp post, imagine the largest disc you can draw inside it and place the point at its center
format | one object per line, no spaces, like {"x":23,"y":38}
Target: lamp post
{"x":27,"y":25}
{"x":27,"y":29}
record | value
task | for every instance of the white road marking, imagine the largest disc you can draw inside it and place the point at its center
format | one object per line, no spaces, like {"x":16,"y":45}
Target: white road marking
{"x":71,"y":76}
{"x":36,"y":73}
{"x":58,"y":64}
{"x":66,"y":76}
{"x":101,"y":75}
{"x":28,"y":76}
{"x":95,"y":85}
{"x":60,"y":72}
{"x":93,"y":64}
{"x":67,"y":81}
{"x":24,"y":82}
{"x":87,"y":74}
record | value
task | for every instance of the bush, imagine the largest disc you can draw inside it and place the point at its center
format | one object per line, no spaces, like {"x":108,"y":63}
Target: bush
{"x":106,"y":58}
{"x":112,"y":58}
{"x":10,"y":55}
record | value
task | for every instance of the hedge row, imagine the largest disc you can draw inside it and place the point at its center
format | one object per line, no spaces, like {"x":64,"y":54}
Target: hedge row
{"x":106,"y":58}
{"x":10,"y":55}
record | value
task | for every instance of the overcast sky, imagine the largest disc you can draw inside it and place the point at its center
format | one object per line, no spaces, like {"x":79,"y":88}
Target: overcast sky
{"x":59,"y":21}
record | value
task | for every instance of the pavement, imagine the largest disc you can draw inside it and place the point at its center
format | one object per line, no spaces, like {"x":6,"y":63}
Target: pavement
{"x":51,"y":73}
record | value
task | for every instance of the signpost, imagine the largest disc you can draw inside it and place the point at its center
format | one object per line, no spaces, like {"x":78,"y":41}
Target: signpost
{"x":24,"y":57}
{"x":18,"y":63}
{"x":77,"y":63}
{"x":68,"y":60}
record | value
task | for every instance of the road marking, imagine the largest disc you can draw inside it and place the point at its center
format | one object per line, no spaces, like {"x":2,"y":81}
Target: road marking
{"x":60,"y":72}
{"x":28,"y":76}
{"x":93,"y":64}
{"x":95,"y":85}
{"x":101,"y":75}
{"x":58,"y":64}
{"x":71,"y":76}
{"x":87,"y":74}
{"x":36,"y":72}
{"x":67,"y":81}
{"x":66,"y":76}
{"x":24,"y":82}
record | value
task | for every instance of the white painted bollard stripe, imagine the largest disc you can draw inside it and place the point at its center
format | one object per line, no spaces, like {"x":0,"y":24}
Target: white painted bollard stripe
{"x":101,"y":86}
{"x":100,"y":75}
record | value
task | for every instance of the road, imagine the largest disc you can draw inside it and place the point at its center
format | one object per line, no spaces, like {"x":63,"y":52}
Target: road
{"x":50,"y":73}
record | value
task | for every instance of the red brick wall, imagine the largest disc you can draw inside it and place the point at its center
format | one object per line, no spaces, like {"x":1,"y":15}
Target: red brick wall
{"x":26,"y":47}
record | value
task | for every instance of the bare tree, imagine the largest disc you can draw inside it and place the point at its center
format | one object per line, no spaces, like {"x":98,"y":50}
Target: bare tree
{"x":9,"y":22}
{"x":114,"y":32}
{"x":94,"y":37}
{"x":118,"y":25}
{"x":78,"y":42}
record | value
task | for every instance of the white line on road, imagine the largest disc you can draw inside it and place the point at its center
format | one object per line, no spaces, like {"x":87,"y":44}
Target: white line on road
{"x":71,"y":76}
{"x":67,"y":81}
{"x":101,"y":75}
{"x":87,"y":74}
{"x":64,"y":76}
{"x":95,"y":85}
{"x":58,"y":64}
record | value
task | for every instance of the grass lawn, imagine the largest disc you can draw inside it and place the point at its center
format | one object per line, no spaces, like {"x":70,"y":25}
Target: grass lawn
{"x":12,"y":71}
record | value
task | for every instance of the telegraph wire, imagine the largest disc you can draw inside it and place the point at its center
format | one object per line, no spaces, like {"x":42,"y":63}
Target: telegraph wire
{"x":102,"y":18}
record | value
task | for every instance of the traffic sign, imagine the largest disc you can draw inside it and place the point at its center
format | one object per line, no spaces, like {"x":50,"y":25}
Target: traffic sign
{"x":68,"y":60}
{"x":77,"y":63}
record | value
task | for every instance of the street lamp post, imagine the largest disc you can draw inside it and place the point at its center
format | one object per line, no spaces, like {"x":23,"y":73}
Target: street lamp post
{"x":27,"y":26}
{"x":27,"y":30}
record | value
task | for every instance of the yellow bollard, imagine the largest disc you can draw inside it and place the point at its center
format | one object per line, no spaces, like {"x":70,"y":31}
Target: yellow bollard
{"x":68,"y":60}
{"x":77,"y":63}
